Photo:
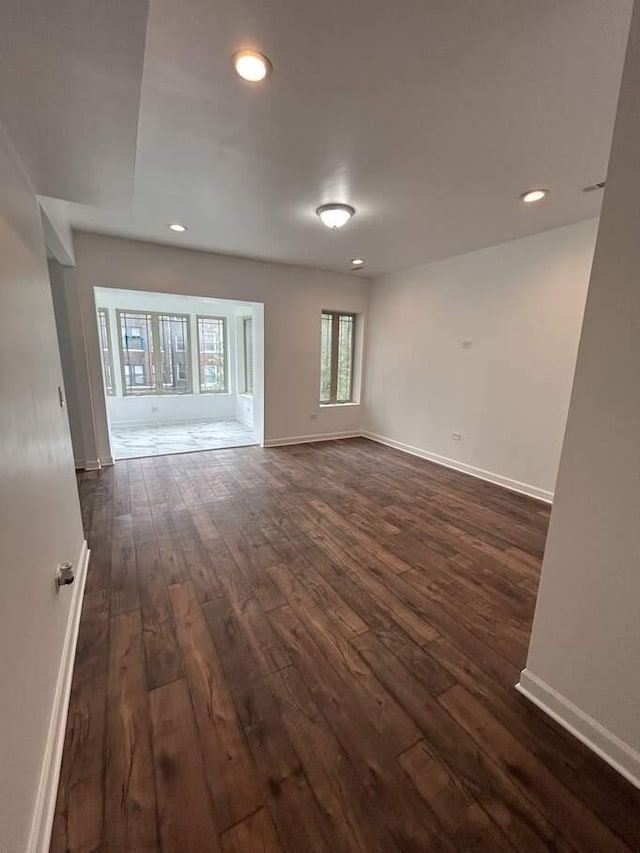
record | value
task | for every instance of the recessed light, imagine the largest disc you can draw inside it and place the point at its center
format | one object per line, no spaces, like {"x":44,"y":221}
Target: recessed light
{"x":534,"y":195}
{"x":175,"y":226}
{"x":251,"y":65}
{"x":357,"y":262}
{"x":335,"y":215}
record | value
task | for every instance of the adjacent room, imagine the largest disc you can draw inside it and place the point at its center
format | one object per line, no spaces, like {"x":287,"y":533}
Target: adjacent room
{"x":180,"y":373}
{"x":318,"y":436}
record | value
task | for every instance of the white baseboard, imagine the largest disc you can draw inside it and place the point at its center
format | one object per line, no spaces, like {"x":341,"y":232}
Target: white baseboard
{"x":304,"y":439}
{"x":170,"y":422}
{"x":93,"y":464}
{"x":480,"y":473}
{"x":40,"y":835}
{"x":604,"y":743}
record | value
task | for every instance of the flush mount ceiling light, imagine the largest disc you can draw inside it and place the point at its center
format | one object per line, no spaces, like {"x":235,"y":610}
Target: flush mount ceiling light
{"x":335,"y":215}
{"x":251,"y":65}
{"x":357,"y":262}
{"x":175,"y":226}
{"x":534,"y":195}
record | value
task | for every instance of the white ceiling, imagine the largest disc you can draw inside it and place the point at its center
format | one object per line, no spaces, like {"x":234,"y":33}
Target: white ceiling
{"x":70,"y":76}
{"x":430,"y":117}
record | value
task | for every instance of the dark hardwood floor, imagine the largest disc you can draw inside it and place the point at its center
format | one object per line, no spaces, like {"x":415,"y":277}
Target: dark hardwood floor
{"x":314,"y":648}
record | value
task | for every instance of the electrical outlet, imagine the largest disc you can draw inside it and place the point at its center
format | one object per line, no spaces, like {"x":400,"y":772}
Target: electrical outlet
{"x":456,"y":436}
{"x":466,"y":344}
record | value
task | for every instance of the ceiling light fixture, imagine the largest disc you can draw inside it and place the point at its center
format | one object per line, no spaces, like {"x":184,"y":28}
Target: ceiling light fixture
{"x":175,"y":226}
{"x":251,"y":65}
{"x":534,"y":195}
{"x":357,"y":262}
{"x":335,"y":215}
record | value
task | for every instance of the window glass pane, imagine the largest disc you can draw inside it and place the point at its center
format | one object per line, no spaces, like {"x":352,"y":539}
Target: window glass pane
{"x":105,"y":349}
{"x":212,"y":355}
{"x":248,"y":354}
{"x":345,"y":358}
{"x":137,"y":352}
{"x":174,"y":353}
{"x":325,"y":357}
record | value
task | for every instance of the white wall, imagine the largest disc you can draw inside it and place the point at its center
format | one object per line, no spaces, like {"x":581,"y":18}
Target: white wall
{"x":40,"y":522}
{"x":57,"y":232}
{"x":65,"y":317}
{"x":520,"y":304}
{"x":293,"y":299}
{"x":171,"y":408}
{"x":584,"y":658}
{"x":246,"y":412}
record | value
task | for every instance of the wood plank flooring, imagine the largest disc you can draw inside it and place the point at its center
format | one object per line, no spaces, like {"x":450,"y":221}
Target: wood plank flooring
{"x":314,"y":648}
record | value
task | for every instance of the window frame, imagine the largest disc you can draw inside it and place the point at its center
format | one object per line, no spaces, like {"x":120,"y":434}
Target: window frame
{"x":335,"y":341}
{"x":249,"y":387}
{"x":155,"y":359}
{"x":110,"y":391}
{"x":225,"y":351}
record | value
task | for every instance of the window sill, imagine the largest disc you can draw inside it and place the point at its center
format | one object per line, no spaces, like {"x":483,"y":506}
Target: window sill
{"x":246,"y":395}
{"x":167,"y":395}
{"x":337,"y":405}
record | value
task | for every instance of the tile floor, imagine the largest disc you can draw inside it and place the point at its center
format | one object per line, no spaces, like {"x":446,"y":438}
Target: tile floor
{"x":160,"y":440}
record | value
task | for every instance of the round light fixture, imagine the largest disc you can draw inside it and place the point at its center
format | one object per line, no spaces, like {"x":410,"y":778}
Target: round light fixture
{"x":175,"y":226}
{"x":534,"y":195}
{"x":335,"y":215}
{"x":357,"y":262}
{"x":251,"y":65}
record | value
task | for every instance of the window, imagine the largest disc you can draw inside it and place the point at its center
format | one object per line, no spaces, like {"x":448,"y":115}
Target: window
{"x":212,"y":354}
{"x":247,"y":338}
{"x":336,"y":357}
{"x":135,"y":374}
{"x":154,"y":351}
{"x":136,"y":342}
{"x":105,"y":350}
{"x":174,"y":353}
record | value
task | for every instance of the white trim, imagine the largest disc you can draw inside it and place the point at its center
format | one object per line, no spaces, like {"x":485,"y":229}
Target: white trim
{"x":600,"y":740}
{"x":480,"y":473}
{"x":42,"y":823}
{"x":93,"y":464}
{"x":134,"y":424}
{"x":304,"y":439}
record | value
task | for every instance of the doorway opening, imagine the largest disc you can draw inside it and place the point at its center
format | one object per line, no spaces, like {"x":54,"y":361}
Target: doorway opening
{"x":181,"y":373}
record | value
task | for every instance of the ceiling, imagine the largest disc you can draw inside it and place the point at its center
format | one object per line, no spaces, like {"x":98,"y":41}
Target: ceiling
{"x":70,"y":78}
{"x":430,"y":117}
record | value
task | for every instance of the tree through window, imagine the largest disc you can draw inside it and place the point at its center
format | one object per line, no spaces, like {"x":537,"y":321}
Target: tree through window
{"x":337,"y":347}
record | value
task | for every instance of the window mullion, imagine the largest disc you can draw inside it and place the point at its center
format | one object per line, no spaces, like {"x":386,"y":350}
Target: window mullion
{"x":225,"y":355}
{"x":121,"y":349}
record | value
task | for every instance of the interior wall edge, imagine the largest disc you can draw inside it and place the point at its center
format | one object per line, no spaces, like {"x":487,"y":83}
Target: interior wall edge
{"x":618,"y":754}
{"x":489,"y":476}
{"x":42,"y":822}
